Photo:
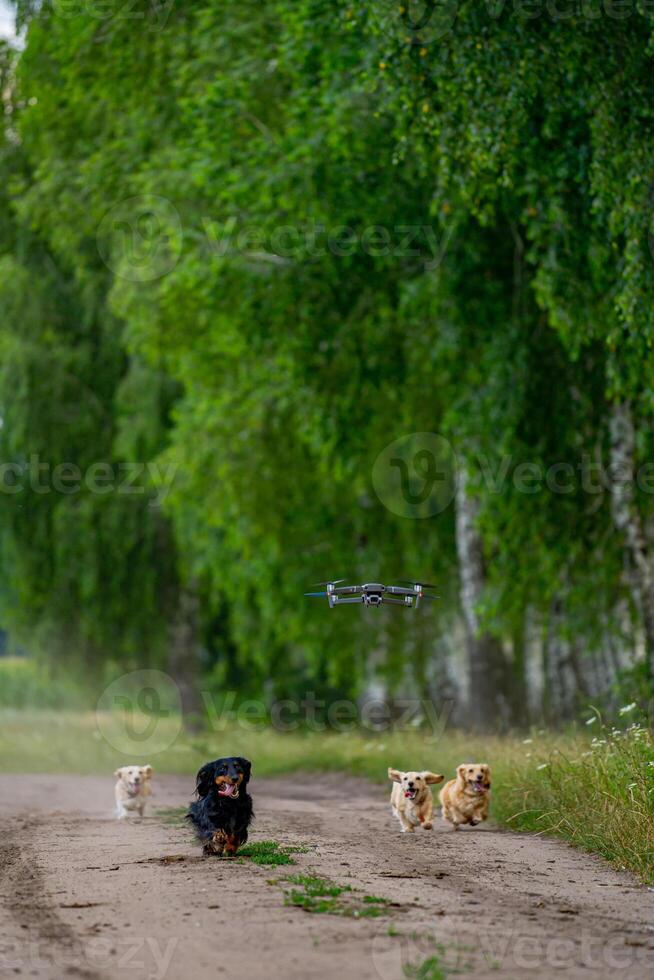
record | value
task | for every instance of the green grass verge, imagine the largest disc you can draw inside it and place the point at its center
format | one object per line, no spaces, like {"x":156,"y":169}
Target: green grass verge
{"x":594,"y":787}
{"x":597,"y":794}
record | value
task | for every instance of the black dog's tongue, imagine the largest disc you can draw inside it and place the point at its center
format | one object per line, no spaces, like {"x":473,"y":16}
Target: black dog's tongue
{"x":227,"y":789}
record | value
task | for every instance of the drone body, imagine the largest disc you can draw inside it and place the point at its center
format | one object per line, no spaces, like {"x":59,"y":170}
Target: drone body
{"x":374,"y":594}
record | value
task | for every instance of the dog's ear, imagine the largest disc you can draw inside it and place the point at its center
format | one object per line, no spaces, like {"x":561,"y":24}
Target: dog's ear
{"x":461,"y":770}
{"x":246,"y":766}
{"x":118,"y":773}
{"x":432,"y":777}
{"x":204,"y":780}
{"x":395,"y":775}
{"x":148,"y":770}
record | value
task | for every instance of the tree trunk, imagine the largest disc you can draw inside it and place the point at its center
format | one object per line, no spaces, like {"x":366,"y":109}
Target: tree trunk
{"x":519,"y":687}
{"x":183,"y":655}
{"x":488,"y":704}
{"x":560,"y":681}
{"x":628,"y":519}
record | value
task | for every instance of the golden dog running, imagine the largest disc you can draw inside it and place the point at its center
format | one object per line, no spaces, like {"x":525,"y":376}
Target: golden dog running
{"x":466,"y":799}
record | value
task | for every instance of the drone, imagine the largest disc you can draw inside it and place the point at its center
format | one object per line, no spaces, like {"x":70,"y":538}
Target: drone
{"x":374,"y":593}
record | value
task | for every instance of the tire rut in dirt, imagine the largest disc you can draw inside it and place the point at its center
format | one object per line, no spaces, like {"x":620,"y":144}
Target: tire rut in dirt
{"x":38,"y":931}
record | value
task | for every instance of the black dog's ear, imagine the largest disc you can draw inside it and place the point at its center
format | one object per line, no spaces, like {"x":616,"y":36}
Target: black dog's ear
{"x":204,"y":780}
{"x":246,"y":766}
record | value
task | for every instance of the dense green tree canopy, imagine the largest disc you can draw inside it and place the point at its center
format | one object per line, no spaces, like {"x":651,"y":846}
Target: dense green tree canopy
{"x":252,"y":245}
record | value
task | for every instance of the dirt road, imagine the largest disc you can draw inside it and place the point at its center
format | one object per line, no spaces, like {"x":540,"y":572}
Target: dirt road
{"x":82,"y":895}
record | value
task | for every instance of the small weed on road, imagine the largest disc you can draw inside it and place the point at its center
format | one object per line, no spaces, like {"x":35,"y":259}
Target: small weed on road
{"x":319,"y":895}
{"x":269,"y":852}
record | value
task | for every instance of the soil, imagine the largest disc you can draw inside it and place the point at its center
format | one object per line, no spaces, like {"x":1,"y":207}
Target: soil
{"x":82,"y":895}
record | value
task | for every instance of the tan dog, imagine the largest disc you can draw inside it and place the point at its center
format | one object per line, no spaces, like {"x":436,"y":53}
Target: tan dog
{"x":411,"y":799}
{"x":132,"y":789}
{"x":466,"y":799}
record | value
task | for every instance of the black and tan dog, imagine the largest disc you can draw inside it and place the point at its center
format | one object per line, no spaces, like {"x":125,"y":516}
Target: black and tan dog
{"x":222,"y":813}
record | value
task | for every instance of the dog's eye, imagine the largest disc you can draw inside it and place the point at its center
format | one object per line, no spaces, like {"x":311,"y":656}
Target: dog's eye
{"x":470,"y":770}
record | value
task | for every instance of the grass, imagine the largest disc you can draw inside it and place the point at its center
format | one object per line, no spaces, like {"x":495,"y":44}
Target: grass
{"x":51,"y":741}
{"x":594,"y":787}
{"x":444,"y":961}
{"x":321,"y":896}
{"x":597,"y":794}
{"x":430,"y":969}
{"x":269,"y":852}
{"x":24,"y":683}
{"x":316,"y":894}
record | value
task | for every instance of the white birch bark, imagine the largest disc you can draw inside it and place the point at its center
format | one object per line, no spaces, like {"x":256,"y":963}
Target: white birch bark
{"x":627,"y":517}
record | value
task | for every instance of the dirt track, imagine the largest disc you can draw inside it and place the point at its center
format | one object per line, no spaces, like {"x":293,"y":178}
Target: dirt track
{"x":84,"y":896}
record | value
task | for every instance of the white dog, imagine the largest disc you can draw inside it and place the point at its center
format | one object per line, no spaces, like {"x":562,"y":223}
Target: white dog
{"x":411,"y":799}
{"x":132,"y":789}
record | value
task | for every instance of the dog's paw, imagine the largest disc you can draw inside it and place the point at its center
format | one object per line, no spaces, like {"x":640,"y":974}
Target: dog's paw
{"x":232,"y":844}
{"x":216,"y":845}
{"x":427,"y":825}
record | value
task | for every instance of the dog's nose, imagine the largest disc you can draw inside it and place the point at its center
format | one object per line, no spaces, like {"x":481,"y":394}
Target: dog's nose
{"x":410,"y":782}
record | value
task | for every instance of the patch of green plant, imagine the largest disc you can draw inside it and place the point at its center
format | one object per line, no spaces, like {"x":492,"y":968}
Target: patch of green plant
{"x":311,"y":903}
{"x":270,"y":852}
{"x":444,"y":960}
{"x":429,"y":969}
{"x":315,"y":894}
{"x":314,"y":886}
{"x":322,"y":896}
{"x":367,"y":912}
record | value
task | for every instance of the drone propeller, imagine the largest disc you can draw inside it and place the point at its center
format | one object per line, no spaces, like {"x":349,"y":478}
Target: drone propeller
{"x":425,"y":595}
{"x":316,"y":593}
{"x":425,"y":585}
{"x":333,"y":582}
